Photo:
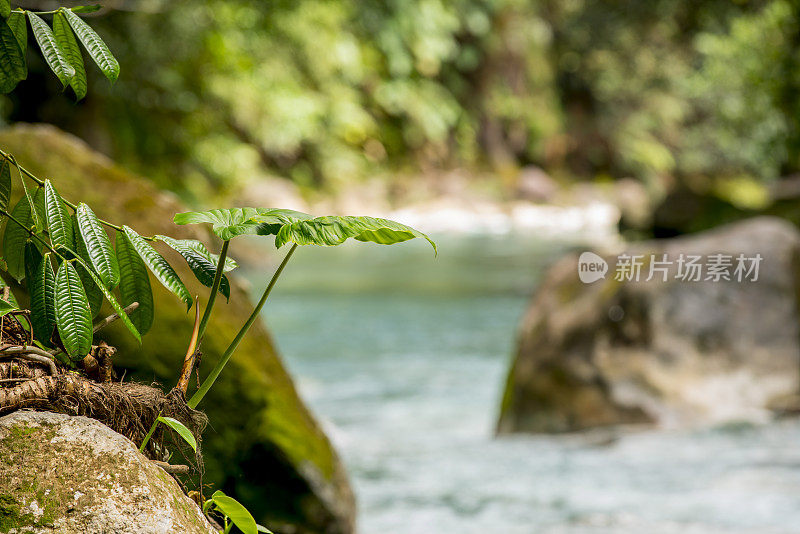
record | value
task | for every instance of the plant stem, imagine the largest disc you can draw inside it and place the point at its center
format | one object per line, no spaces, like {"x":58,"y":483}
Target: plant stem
{"x":149,"y":433}
{"x":214,"y":289}
{"x":32,"y":233}
{"x":212,"y":377}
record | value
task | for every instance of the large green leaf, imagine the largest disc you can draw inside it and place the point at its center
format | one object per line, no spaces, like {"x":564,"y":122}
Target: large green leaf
{"x":181,"y":429}
{"x":126,"y":320}
{"x":200,"y":248}
{"x":93,"y":293}
{"x":229,"y":223}
{"x":237,"y":513}
{"x":52,"y":53}
{"x":334,"y":230}
{"x":11,"y":298}
{"x":12,"y":59}
{"x":7,"y":307}
{"x":16,"y":236}
{"x":94,"y":45}
{"x":73,"y":318}
{"x":201,"y":264}
{"x":162,"y":270}
{"x":101,"y":255}
{"x":66,"y":40}
{"x":41,"y":288}
{"x":58,"y":221}
{"x":19,"y":25}
{"x":5,"y":184}
{"x":134,"y":285}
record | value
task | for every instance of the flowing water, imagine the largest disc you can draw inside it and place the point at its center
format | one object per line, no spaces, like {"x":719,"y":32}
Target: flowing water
{"x":403,"y":359}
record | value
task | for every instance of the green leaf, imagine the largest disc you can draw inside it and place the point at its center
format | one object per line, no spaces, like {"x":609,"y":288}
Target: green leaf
{"x":73,"y":317}
{"x":200,"y":248}
{"x":262,"y":528}
{"x":7,"y":307}
{"x":334,"y":230}
{"x":5,"y":9}
{"x":134,"y":285}
{"x":16,"y":236}
{"x":179,"y":427}
{"x":94,"y":45}
{"x":162,"y":270}
{"x":12,"y":59}
{"x":41,"y":288}
{"x":101,"y":255}
{"x":5,"y":184}
{"x":19,"y":25}
{"x":66,"y":40}
{"x":58,"y":221}
{"x":109,"y":297}
{"x":11,"y":297}
{"x":50,"y":50}
{"x":201,"y":264}
{"x":93,"y":293}
{"x":237,"y":513}
{"x":86,"y":9}
{"x":229,"y":223}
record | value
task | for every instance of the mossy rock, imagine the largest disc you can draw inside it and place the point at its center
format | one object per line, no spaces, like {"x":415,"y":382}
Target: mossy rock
{"x":262,"y":445}
{"x":667,"y":350}
{"x":73,"y":475}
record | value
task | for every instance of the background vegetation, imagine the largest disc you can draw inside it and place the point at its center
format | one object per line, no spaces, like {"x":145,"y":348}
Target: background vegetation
{"x":323,"y":93}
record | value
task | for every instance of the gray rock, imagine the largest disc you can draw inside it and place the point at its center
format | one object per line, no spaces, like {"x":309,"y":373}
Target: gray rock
{"x":669,"y":352}
{"x":75,"y":475}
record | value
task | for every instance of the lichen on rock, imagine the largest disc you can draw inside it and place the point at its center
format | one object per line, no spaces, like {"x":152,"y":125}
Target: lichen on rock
{"x":64,"y":474}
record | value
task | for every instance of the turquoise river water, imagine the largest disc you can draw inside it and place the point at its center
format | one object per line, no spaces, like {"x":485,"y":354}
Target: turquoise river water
{"x":403,"y":358}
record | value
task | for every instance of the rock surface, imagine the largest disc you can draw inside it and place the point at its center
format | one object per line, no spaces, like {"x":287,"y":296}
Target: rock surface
{"x":74,"y":475}
{"x":262,"y":446}
{"x":671,"y":352}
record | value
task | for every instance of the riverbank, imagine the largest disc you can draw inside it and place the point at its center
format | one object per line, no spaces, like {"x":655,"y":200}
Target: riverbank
{"x":466,"y":202}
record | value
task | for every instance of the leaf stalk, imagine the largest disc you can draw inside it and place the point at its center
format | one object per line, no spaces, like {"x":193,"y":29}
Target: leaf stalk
{"x":226,"y":356}
{"x":214,"y":288}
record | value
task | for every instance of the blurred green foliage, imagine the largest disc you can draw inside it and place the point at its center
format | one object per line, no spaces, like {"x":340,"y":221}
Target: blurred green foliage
{"x":326,"y":92}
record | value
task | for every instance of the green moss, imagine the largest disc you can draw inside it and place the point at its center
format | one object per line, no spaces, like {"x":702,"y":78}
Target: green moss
{"x":11,"y":515}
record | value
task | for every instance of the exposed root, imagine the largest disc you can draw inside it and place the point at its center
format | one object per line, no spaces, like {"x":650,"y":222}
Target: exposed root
{"x":128,"y":408}
{"x":31,"y":378}
{"x":20,"y":370}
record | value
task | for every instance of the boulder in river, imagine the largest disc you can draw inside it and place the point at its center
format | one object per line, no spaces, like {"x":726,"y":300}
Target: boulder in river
{"x":668,"y":350}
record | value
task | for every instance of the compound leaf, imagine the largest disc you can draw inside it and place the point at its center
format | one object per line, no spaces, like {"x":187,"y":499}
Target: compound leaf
{"x":335,"y":230}
{"x":229,"y":223}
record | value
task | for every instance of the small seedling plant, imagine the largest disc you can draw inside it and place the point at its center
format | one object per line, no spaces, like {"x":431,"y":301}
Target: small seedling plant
{"x":59,"y":255}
